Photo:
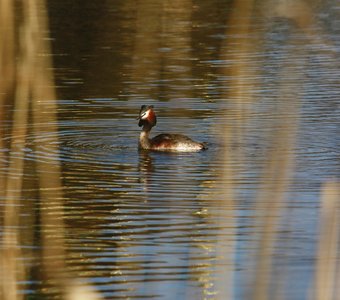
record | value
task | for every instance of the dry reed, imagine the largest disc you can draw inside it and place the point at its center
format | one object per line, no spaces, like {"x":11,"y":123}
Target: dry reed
{"x":28,"y":85}
{"x":327,"y":266}
{"x":33,"y":98}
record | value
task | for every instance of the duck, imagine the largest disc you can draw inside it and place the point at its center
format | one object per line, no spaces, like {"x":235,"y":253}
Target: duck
{"x":166,"y":142}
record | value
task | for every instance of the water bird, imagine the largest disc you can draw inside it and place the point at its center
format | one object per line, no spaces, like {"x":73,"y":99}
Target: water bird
{"x":166,"y":141}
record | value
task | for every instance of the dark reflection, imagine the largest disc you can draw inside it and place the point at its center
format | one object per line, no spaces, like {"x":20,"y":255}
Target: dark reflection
{"x":145,"y":167}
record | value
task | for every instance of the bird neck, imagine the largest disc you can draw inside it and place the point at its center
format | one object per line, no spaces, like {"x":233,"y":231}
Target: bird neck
{"x":144,"y":140}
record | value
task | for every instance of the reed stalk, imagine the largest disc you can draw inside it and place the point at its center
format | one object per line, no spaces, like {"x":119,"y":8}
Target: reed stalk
{"x":34,"y":100}
{"x":327,"y":264}
{"x":12,"y":270}
{"x":27,"y":85}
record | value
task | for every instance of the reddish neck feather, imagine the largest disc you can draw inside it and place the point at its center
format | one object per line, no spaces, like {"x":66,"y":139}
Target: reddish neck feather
{"x":151,"y":116}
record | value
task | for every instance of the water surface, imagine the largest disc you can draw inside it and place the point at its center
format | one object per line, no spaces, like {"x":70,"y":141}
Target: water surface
{"x":148,"y":225}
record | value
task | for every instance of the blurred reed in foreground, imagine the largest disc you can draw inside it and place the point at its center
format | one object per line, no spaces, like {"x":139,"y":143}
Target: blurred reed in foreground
{"x":28,"y":103}
{"x":326,"y":285}
{"x":277,"y":173}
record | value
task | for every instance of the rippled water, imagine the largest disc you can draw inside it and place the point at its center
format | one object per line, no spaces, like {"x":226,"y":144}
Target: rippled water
{"x":148,"y":225}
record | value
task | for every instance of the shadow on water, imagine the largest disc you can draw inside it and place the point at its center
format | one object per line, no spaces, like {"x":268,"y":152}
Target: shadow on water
{"x":85,"y":215}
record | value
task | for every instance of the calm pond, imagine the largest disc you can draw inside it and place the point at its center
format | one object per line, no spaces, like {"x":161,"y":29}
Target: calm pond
{"x":258,"y":82}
